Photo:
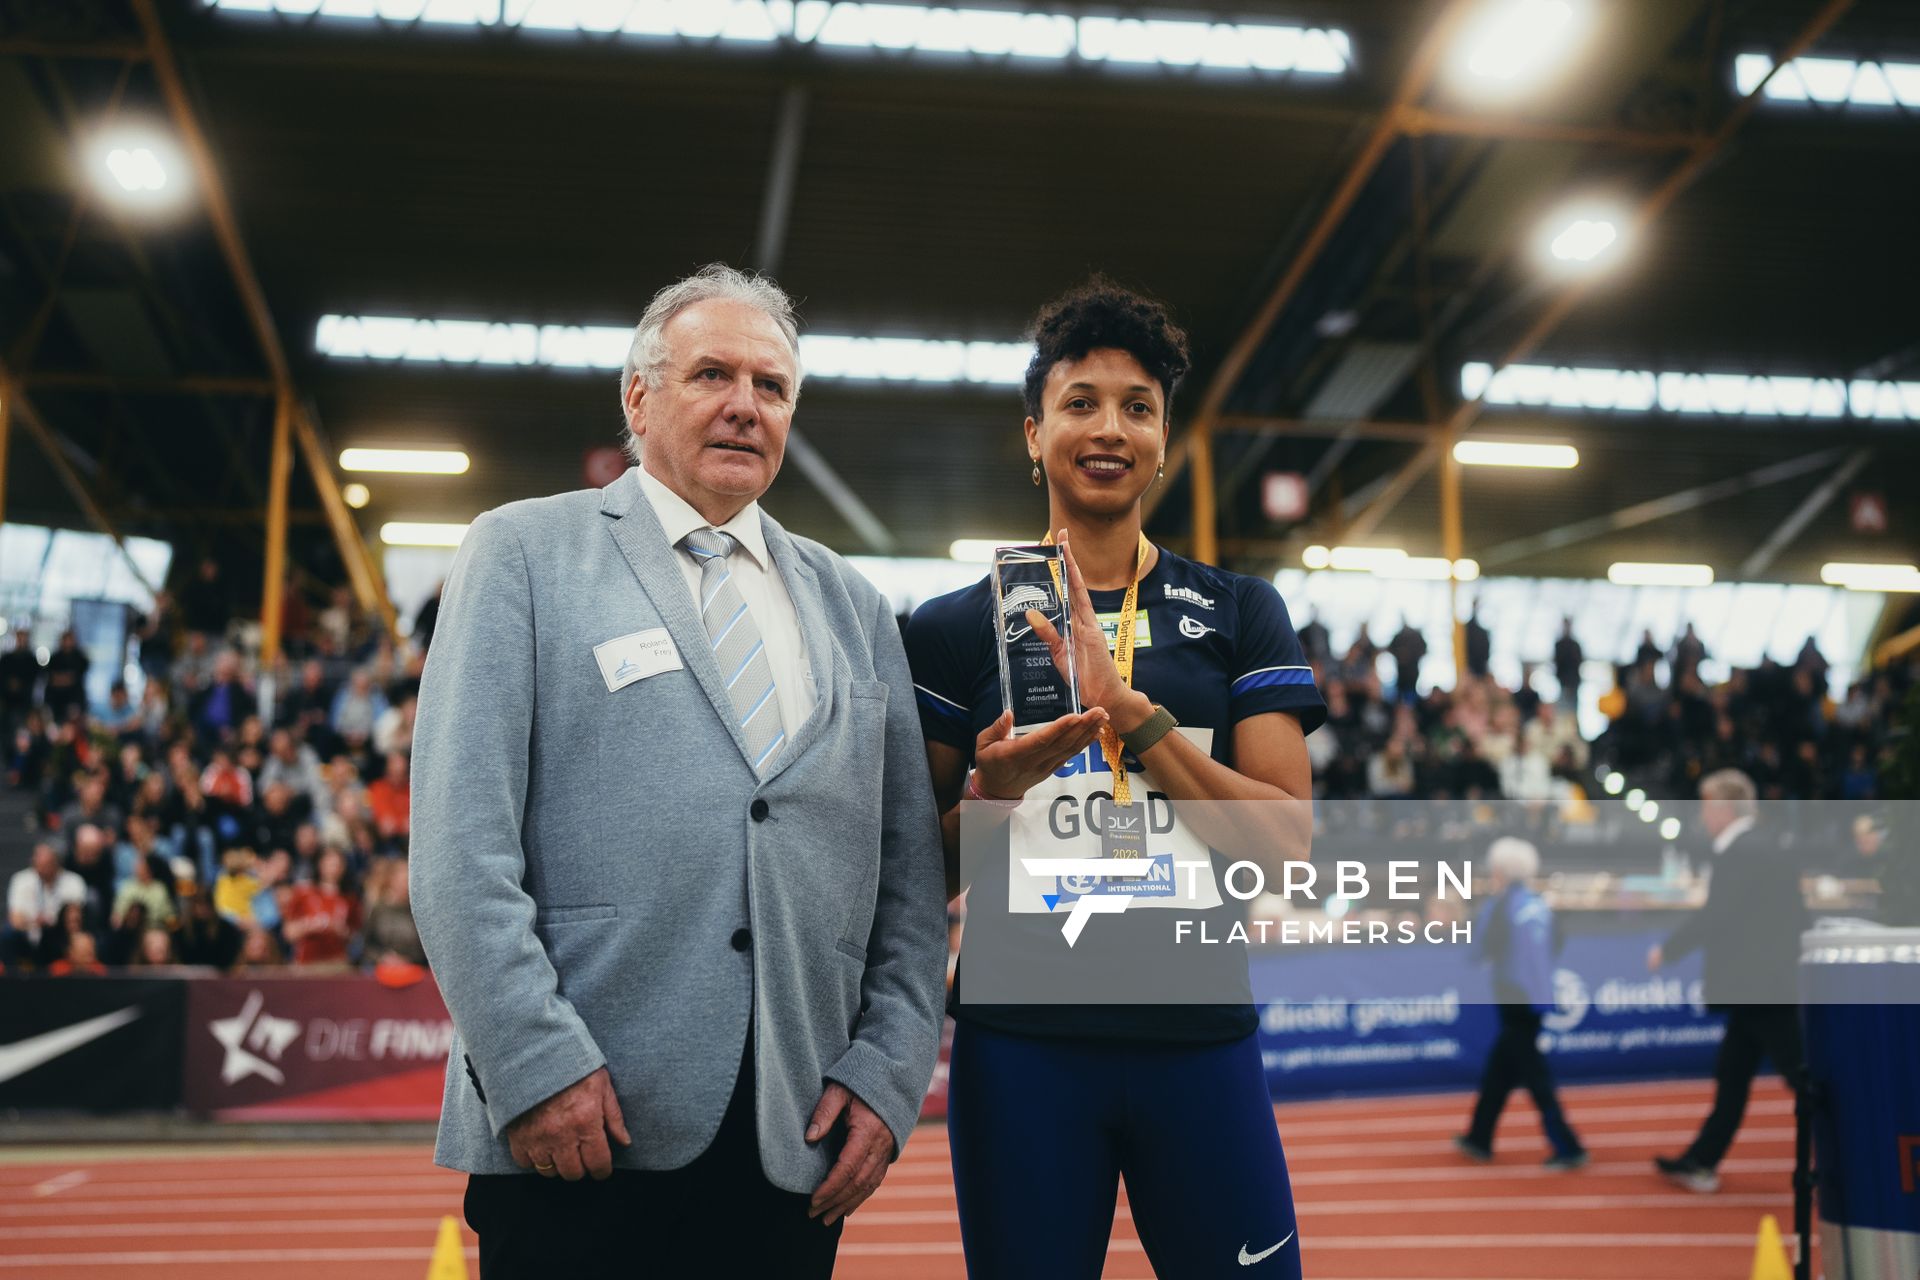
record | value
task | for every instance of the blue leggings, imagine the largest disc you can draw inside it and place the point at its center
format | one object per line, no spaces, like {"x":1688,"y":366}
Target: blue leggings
{"x":1042,"y":1131}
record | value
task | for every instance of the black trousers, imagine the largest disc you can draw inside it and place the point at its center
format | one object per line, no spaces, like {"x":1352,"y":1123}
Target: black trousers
{"x":716,"y":1217}
{"x":1515,"y":1061}
{"x":1770,"y":1031}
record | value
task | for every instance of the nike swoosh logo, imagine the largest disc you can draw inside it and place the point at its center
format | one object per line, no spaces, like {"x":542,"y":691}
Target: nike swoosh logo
{"x":1247,"y":1259}
{"x":22,"y":1056}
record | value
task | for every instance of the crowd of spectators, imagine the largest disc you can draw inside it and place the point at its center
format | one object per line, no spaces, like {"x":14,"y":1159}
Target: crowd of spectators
{"x":187,"y":827}
{"x":1667,"y":724}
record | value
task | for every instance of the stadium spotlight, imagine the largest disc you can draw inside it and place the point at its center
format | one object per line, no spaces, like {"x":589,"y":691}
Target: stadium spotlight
{"x":1512,"y":45}
{"x":1366,"y":559}
{"x":429,"y":462}
{"x":1627,"y":573}
{"x":1579,"y":240}
{"x":138,"y":168}
{"x":1615,"y":783}
{"x":1316,"y":557}
{"x":1649,"y":811}
{"x":1670,"y":829}
{"x":1636,"y":798}
{"x":356,"y":495}
{"x":1871,"y":577}
{"x":413,"y":533}
{"x":1509,"y":453}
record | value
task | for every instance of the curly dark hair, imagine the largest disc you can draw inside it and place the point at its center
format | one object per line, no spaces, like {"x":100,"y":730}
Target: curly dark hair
{"x":1103,"y":315}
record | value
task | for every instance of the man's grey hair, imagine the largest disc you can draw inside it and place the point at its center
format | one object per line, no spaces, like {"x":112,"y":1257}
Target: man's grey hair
{"x":1734,"y":787}
{"x":647,"y":353}
{"x":1514,"y":858}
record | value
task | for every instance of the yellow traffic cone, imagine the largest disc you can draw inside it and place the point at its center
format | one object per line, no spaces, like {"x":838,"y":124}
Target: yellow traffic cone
{"x":450,"y":1253}
{"x":1770,"y":1261}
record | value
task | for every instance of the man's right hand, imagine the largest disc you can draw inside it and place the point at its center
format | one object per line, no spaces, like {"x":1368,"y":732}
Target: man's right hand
{"x":566,"y":1136}
{"x":1008,"y":766}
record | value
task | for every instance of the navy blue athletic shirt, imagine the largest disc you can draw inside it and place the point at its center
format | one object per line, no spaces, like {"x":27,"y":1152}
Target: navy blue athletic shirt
{"x":1214,"y":648}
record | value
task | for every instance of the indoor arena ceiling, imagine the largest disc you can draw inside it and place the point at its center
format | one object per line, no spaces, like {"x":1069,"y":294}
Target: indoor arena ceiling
{"x":403,"y":167}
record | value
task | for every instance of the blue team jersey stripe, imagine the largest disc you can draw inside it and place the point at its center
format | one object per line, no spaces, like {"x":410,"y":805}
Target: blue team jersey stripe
{"x":1273,"y":676}
{"x":934,"y":702}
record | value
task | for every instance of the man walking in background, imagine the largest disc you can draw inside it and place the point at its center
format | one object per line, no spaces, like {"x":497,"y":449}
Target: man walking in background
{"x":1749,"y":928}
{"x":1517,"y":938}
{"x":675,"y":857}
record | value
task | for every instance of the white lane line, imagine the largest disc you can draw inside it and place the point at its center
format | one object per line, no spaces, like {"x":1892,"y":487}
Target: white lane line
{"x":1472,"y":1173}
{"x":207,"y":1186}
{"x":156,"y":1205}
{"x":210,"y":1257}
{"x":1315,"y":1244}
{"x":244,"y":1227}
{"x":1650,"y":1137}
{"x":55,"y":1185}
{"x":1581,"y":1117}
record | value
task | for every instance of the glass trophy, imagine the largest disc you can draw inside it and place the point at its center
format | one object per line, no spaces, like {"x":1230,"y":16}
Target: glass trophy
{"x":1035,"y":690}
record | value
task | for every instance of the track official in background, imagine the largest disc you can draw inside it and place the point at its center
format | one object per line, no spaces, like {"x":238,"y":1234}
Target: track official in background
{"x":1516,"y":936}
{"x":1749,"y":928}
{"x":675,"y":857}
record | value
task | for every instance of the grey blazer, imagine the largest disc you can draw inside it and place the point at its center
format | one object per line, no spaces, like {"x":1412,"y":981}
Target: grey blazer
{"x":585,"y":862}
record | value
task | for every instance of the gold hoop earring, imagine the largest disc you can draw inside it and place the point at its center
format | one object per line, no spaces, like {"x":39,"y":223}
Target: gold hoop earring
{"x":1036,"y":471}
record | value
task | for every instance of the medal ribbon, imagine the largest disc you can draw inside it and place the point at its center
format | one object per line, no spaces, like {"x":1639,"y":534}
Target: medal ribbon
{"x":1122,"y":659}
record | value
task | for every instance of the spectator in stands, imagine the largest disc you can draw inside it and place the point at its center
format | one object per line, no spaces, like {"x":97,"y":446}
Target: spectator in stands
{"x":390,"y":932}
{"x":120,"y":940}
{"x":428,"y":618}
{"x":389,"y":801}
{"x":204,"y":604}
{"x":155,"y":951}
{"x":1390,"y":772}
{"x":206,"y":937}
{"x":275,"y":875}
{"x":322,"y":916}
{"x":140,"y":845}
{"x":356,"y":709}
{"x":155,"y":632}
{"x":90,"y":807}
{"x":1515,"y":934}
{"x":1689,"y":651}
{"x":75,"y":918}
{"x":258,"y":951}
{"x":1314,"y":642}
{"x":19,"y":680}
{"x":31,"y":751}
{"x":235,"y":890}
{"x":119,"y":716}
{"x":91,"y":858}
{"x":278,"y":817}
{"x":394,"y":730}
{"x":67,"y":666}
{"x":150,"y":894}
{"x":81,"y":958}
{"x":1479,"y":644}
{"x":1567,"y":657}
{"x":36,"y":895}
{"x":1408,"y":647}
{"x":217,"y":710}
{"x":294,"y":763}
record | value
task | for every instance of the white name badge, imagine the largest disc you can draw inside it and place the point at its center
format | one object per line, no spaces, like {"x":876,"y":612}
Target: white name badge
{"x":1060,"y":819}
{"x":627,"y":658}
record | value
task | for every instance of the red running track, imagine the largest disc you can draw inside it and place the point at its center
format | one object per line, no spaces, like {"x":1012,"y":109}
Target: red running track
{"x":1381,"y":1194}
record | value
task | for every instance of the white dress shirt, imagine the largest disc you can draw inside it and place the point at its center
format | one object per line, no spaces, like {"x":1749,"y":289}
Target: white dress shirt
{"x":1729,"y":833}
{"x":760,"y":587}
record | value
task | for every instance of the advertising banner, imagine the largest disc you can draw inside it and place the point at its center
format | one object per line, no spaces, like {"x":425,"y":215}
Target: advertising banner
{"x":90,"y":1044}
{"x":342,"y":1048}
{"x":1612,"y":1019}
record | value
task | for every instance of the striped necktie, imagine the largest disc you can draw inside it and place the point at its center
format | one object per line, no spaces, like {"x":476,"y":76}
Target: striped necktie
{"x":737,"y":646}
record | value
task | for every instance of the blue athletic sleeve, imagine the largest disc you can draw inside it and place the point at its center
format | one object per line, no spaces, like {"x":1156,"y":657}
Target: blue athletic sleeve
{"x":936,"y":641}
{"x":1270,"y":673}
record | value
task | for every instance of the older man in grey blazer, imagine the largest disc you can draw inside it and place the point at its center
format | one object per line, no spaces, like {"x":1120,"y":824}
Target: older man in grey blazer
{"x":675,"y":857}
